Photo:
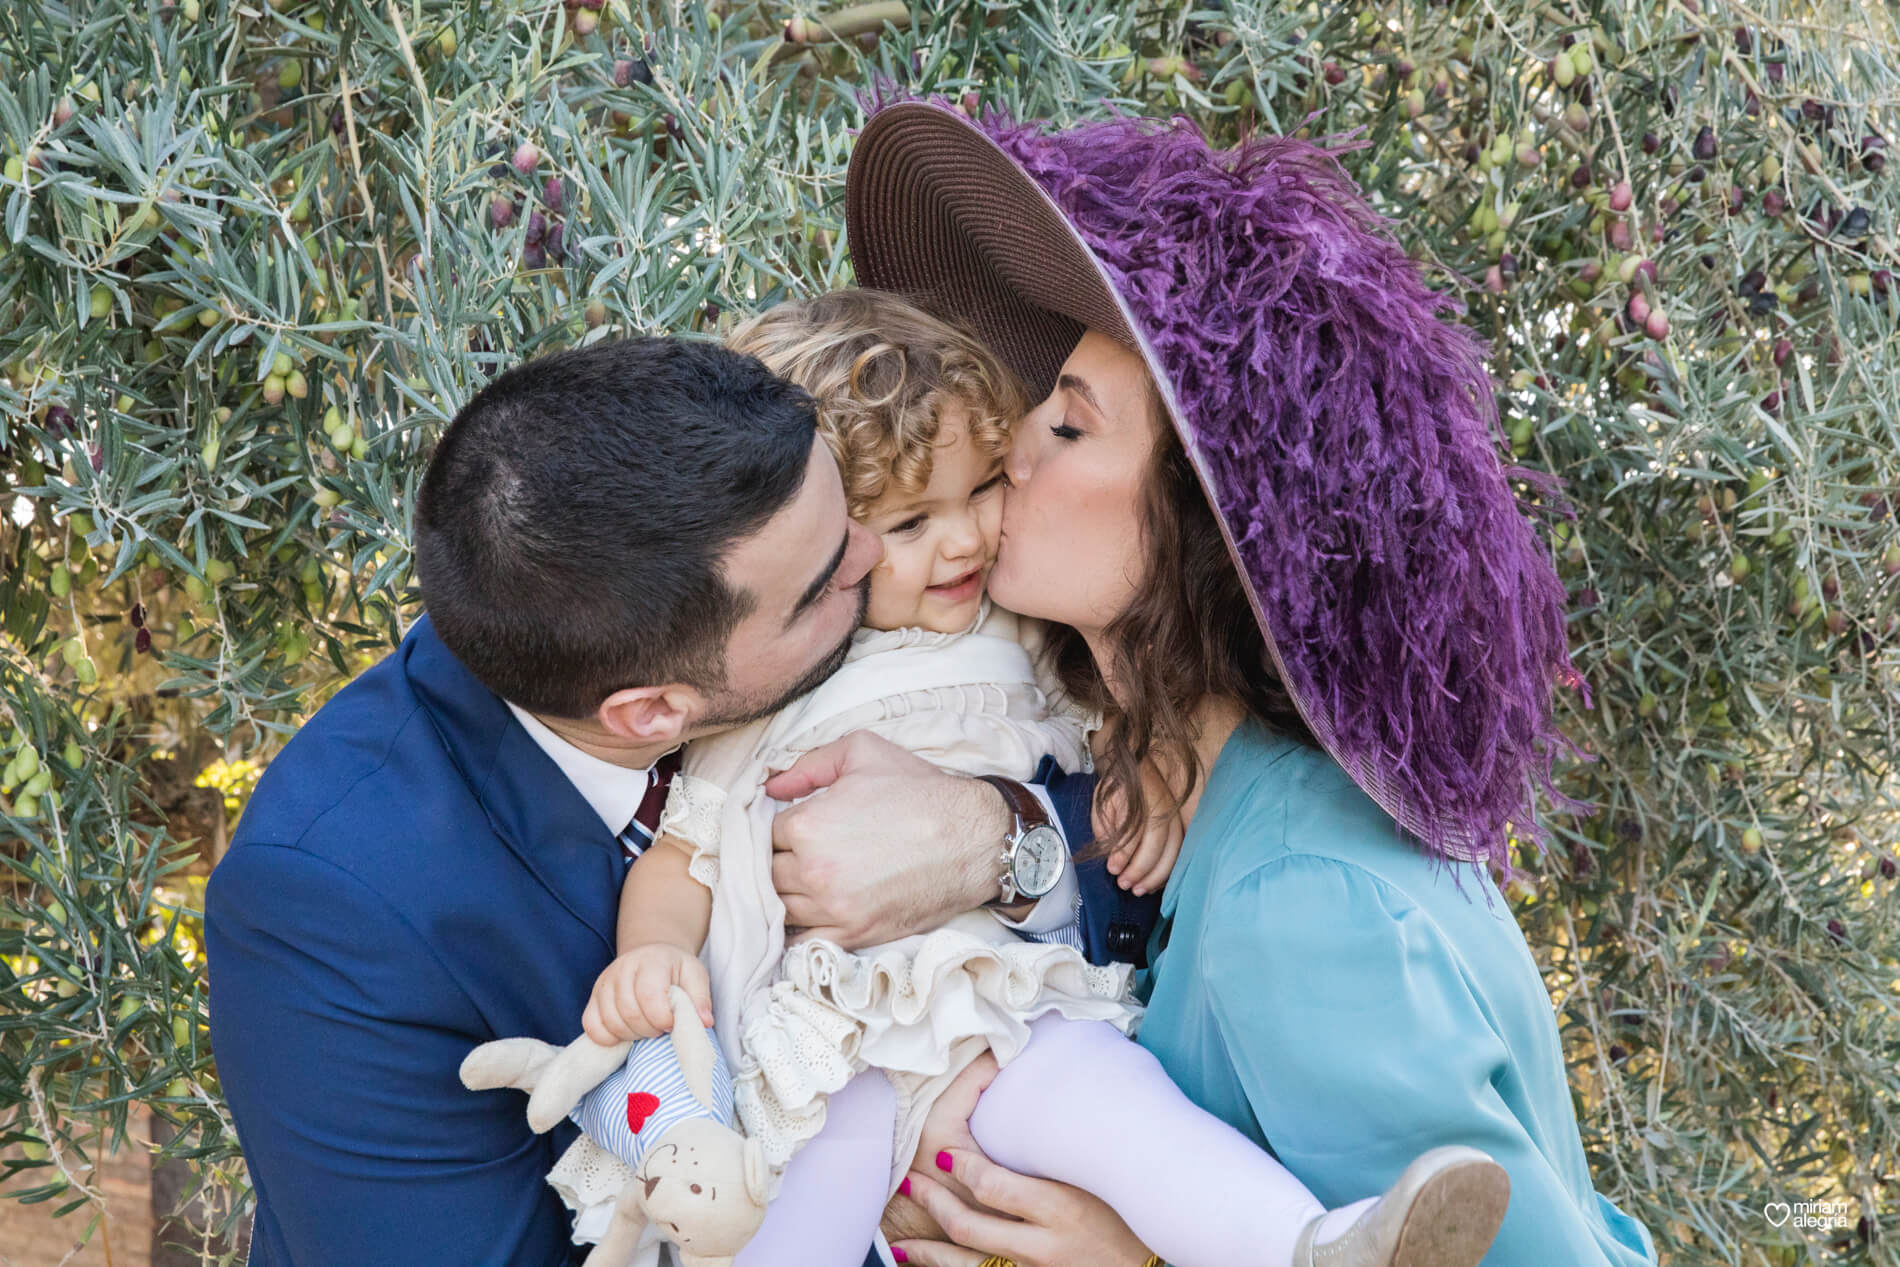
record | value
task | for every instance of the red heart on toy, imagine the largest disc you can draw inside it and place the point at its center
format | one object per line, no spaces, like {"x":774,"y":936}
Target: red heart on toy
{"x":640,"y":1106}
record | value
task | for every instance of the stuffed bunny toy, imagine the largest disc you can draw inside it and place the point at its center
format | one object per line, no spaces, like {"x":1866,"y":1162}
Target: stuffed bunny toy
{"x":701,"y":1182}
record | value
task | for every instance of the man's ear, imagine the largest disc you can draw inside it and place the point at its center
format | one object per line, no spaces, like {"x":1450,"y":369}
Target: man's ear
{"x":652,"y":714}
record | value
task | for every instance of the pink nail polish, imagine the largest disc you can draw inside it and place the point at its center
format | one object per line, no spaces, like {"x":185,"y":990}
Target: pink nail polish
{"x":904,"y":1187}
{"x":899,"y":1255}
{"x":943,"y":1161}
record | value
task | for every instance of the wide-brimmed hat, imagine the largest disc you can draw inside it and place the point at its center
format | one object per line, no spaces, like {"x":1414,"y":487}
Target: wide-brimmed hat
{"x":1344,"y":431}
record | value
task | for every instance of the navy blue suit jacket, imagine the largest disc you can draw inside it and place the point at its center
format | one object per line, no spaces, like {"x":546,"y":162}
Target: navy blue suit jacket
{"x":414,"y":876}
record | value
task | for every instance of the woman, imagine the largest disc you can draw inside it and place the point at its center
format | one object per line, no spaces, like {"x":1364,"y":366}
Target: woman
{"x":1263,"y":492}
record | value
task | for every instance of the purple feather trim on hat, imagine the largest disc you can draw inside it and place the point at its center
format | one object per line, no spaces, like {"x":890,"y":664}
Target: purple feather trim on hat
{"x":1354,"y":442}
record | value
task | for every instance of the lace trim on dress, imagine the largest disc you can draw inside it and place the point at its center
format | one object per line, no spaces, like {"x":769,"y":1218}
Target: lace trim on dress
{"x":589,"y":1180}
{"x":902,"y":1009}
{"x":693,"y":808}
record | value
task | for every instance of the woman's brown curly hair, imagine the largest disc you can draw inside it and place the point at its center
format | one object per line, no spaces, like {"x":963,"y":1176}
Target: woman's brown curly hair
{"x":1188,"y":633}
{"x":883,"y":372}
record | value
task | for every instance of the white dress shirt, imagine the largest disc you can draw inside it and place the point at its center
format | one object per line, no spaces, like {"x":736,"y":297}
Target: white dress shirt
{"x":615,"y":791}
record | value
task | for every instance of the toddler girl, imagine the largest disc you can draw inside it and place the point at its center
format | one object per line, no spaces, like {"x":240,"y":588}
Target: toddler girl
{"x":836,"y":1056}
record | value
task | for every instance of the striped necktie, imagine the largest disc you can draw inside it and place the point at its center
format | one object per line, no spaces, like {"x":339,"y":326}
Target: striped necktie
{"x":638,"y":834}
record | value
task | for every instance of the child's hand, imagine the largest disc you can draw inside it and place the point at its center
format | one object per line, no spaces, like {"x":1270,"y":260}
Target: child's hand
{"x":1144,"y":864}
{"x":629,"y":999}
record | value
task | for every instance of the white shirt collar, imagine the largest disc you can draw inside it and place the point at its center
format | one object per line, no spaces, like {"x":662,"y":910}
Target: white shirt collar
{"x":614,"y":791}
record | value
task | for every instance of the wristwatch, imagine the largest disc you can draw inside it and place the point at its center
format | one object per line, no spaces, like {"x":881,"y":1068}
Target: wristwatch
{"x":1032,"y":853}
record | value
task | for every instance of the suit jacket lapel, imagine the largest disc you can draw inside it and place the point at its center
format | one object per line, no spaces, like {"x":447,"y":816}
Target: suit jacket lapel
{"x":532,"y":806}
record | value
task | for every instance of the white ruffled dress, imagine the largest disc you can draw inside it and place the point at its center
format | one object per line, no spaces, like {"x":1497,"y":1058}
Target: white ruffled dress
{"x":798,"y":1024}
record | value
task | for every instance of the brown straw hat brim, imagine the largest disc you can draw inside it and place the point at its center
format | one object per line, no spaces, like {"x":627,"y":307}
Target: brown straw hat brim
{"x":934,"y":210}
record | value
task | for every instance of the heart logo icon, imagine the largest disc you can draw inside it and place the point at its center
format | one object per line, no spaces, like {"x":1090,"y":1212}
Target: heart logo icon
{"x":640,"y":1107}
{"x":1777,"y":1212}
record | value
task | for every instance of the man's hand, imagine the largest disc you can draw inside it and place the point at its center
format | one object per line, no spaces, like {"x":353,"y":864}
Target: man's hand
{"x":629,"y":999}
{"x":891,"y":845}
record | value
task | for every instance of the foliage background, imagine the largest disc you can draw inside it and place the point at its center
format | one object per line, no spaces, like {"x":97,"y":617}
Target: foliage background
{"x":256,"y":255}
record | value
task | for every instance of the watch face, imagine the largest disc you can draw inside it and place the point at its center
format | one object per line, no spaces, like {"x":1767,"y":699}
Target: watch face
{"x":1039,"y":859}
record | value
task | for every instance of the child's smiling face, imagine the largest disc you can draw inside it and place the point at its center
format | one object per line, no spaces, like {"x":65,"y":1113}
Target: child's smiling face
{"x":938,"y":544}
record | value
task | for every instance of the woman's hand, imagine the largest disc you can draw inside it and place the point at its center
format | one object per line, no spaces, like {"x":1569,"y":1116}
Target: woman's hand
{"x":1034,"y":1222}
{"x":1031,"y":1222}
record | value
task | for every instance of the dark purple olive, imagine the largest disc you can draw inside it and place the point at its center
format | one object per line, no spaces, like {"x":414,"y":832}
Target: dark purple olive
{"x":1873,"y":154}
{"x":1887,"y":866}
{"x":1705,"y":144}
{"x":142,"y":642}
{"x":533,"y":256}
{"x":1857,"y":223}
{"x":1651,"y":142}
{"x":137,"y":615}
{"x":552,"y":243}
{"x":537,"y":227}
{"x":1618,"y":1053}
{"x":1580,"y":177}
{"x":553,"y":193}
{"x":1837,"y":930}
{"x":1743,"y":44}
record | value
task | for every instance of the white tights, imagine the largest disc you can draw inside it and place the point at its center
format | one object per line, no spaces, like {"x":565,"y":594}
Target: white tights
{"x":1082,"y":1105}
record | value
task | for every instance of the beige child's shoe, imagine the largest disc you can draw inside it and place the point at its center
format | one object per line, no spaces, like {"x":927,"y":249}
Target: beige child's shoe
{"x":1443,"y":1211}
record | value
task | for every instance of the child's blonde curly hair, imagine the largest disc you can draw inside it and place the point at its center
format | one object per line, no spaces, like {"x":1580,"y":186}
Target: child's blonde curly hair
{"x":883,"y":373}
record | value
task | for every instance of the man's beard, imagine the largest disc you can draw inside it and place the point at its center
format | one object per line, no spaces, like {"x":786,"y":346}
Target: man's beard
{"x":738,"y":713}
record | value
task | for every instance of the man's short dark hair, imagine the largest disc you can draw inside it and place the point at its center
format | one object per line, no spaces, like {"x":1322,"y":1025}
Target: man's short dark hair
{"x":570,"y":528}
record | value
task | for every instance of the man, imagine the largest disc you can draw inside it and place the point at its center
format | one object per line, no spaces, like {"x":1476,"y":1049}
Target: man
{"x":620,"y":548}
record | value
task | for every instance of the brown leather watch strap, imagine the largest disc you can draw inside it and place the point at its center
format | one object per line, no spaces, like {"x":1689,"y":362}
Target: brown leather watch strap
{"x":1021,"y":801}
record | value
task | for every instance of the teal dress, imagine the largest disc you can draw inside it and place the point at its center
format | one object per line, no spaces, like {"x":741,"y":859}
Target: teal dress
{"x":1328,"y":991}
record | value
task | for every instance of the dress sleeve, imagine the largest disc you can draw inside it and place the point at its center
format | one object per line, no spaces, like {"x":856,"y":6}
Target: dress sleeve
{"x":694,"y":807}
{"x":711,"y":769}
{"x":1358,"y":1042}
